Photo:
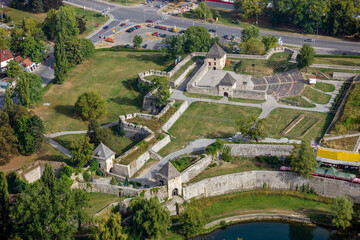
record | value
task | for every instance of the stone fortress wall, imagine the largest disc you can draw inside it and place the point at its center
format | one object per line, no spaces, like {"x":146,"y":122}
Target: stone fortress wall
{"x":274,"y":180}
{"x":253,"y":150}
{"x":35,"y":170}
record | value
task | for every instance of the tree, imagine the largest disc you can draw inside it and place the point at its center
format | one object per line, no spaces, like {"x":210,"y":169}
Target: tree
{"x":197,"y":39}
{"x":254,"y":128}
{"x":214,"y":148}
{"x":4,"y":204}
{"x":216,"y":14}
{"x":52,"y":4}
{"x":90,"y":105}
{"x":49,"y":24}
{"x":175,"y":45}
{"x":30,"y":25}
{"x":163,"y":90}
{"x":203,"y":11}
{"x":48,"y":177}
{"x":82,"y":151}
{"x":35,"y":88}
{"x":18,"y":4}
{"x":66,"y":24}
{"x":22,"y":90}
{"x":13,"y":69}
{"x":5,"y":39}
{"x":41,"y":213}
{"x":97,"y":134}
{"x":250,"y":8}
{"x":342,"y":211}
{"x":36,"y":6}
{"x":33,"y":49}
{"x":148,"y":218}
{"x":81,"y":21}
{"x":302,"y":159}
{"x":17,"y":36}
{"x":8,"y":142}
{"x":77,"y":50}
{"x":269,"y":41}
{"x":137,"y":41}
{"x":339,"y":19}
{"x":252,"y":46}
{"x":194,"y":221}
{"x":29,"y":132}
{"x":108,"y":227}
{"x":8,"y":102}
{"x":306,"y":56}
{"x":250,"y":32}
{"x":226,"y":154}
{"x":61,"y":64}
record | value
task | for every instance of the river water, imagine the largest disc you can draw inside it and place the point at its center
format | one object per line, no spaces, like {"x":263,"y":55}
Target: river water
{"x":272,"y":231}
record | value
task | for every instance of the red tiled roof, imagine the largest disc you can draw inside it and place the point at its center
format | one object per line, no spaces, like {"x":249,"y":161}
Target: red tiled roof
{"x":5,"y":55}
{"x":27,"y":62}
{"x":19,"y":59}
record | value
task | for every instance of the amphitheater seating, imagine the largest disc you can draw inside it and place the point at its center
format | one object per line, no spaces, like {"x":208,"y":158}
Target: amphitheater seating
{"x":260,"y":87}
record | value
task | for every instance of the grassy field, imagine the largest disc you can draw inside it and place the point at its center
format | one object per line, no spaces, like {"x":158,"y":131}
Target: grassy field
{"x":280,"y":118}
{"x":112,"y":74}
{"x":302,"y":102}
{"x":47,"y":153}
{"x":118,"y":144}
{"x":342,"y":144}
{"x":348,"y":121}
{"x":198,"y":95}
{"x":269,"y":202}
{"x":206,"y":120}
{"x":238,"y":165}
{"x":246,"y":100}
{"x":17,"y":17}
{"x":338,"y":61}
{"x":325,"y":87}
{"x":316,"y":96}
{"x":98,"y":201}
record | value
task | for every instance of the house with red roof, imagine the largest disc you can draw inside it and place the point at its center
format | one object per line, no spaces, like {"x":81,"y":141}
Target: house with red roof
{"x":5,"y":58}
{"x":27,"y":65}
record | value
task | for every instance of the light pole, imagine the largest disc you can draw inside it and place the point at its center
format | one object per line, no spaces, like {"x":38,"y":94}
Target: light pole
{"x":257,"y":20}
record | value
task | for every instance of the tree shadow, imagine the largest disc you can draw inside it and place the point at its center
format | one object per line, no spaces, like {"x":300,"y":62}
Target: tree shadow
{"x":67,"y":110}
{"x":125,"y":101}
{"x":157,"y":58}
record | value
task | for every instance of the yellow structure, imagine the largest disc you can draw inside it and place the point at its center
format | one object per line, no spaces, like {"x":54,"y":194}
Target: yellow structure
{"x":338,"y":155}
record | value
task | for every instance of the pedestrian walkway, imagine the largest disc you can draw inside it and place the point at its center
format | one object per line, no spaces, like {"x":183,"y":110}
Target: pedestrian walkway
{"x":60,"y":148}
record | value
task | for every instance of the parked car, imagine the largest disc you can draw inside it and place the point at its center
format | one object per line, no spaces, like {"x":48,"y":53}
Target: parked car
{"x":162,"y":27}
{"x":136,"y":27}
{"x":149,"y":25}
{"x":182,"y":31}
{"x":226,"y":36}
{"x":127,"y":45}
{"x":170,"y":29}
{"x":157,"y":26}
{"x":105,"y":27}
{"x":122,"y":24}
{"x":309,"y":40}
{"x":212,"y":30}
{"x":145,"y":46}
{"x":155,"y":34}
{"x":164,"y":35}
{"x":149,"y":21}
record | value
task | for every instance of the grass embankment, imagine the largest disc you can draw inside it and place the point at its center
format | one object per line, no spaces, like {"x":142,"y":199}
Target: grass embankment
{"x":264,"y":201}
{"x":243,"y":164}
{"x":198,"y":95}
{"x":112,"y":74}
{"x":182,"y":163}
{"x":301,"y":101}
{"x":118,"y":144}
{"x":98,"y":201}
{"x":338,"y":61}
{"x":91,"y":17}
{"x":313,"y":95}
{"x":206,"y":120}
{"x":246,"y":100}
{"x":325,"y":87}
{"x":348,"y":121}
{"x":342,"y":143}
{"x":280,"y":118}
{"x":316,"y":96}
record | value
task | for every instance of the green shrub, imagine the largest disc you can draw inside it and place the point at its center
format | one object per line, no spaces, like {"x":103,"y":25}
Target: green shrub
{"x":99,"y":173}
{"x":226,"y":154}
{"x":86,"y":175}
{"x":223,"y":223}
{"x":135,"y":184}
{"x":94,"y":165}
{"x":66,"y":171}
{"x":113,"y":181}
{"x":142,"y":143}
{"x":212,"y":165}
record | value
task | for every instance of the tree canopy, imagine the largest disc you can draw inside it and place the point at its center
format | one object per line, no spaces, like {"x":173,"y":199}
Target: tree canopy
{"x":342,"y":212}
{"x":306,"y":56}
{"x":250,"y":32}
{"x":250,"y":8}
{"x":90,"y":105}
{"x":108,"y":227}
{"x":163,"y":90}
{"x":302,"y":159}
{"x":197,"y":39}
{"x":137,"y":41}
{"x":253,"y":128}
{"x":82,"y":151}
{"x":194,"y":221}
{"x":5,"y":39}
{"x":252,"y":46}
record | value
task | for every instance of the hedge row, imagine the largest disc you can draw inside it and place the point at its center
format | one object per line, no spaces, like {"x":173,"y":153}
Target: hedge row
{"x":335,"y":56}
{"x":124,"y":49}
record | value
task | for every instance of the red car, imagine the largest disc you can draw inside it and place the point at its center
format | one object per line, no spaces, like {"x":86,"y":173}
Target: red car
{"x":149,"y":21}
{"x":162,"y":28}
{"x":138,"y":26}
{"x":122,"y":24}
{"x":155,"y":34}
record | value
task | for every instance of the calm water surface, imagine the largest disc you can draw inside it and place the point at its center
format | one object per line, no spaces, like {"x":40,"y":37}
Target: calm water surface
{"x":271,"y":231}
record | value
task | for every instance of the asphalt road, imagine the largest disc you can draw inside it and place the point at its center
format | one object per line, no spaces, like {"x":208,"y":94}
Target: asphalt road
{"x":140,"y":13}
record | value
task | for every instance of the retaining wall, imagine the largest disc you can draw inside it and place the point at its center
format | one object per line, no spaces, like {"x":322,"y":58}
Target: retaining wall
{"x":160,"y":192}
{"x":253,"y":94}
{"x":195,"y":169}
{"x":132,"y":131}
{"x":108,"y":189}
{"x":274,"y":179}
{"x":253,"y":150}
{"x":343,"y":76}
{"x":175,"y":116}
{"x":160,"y":144}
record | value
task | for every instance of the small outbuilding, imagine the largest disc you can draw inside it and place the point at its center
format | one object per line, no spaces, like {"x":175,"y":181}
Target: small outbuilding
{"x":227,"y":85}
{"x":170,"y":176}
{"x":105,"y":157}
{"x":216,"y":57}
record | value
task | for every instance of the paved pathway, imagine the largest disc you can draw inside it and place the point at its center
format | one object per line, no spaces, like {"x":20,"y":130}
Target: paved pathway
{"x":60,"y":148}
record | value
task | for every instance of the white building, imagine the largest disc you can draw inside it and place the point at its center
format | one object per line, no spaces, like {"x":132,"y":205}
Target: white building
{"x":105,"y":157}
{"x":216,"y":57}
{"x":5,"y":58}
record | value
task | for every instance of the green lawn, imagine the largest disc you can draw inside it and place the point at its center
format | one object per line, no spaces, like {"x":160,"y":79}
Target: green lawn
{"x":280,"y":118}
{"x":342,"y":143}
{"x":206,"y":120}
{"x":325,"y":87}
{"x":112,"y":74}
{"x":267,"y":202}
{"x":338,"y":61}
{"x":118,"y":144}
{"x":246,"y":100}
{"x":98,"y":201}
{"x":238,"y":165}
{"x":17,"y":17}
{"x":302,"y":102}
{"x":316,"y":96}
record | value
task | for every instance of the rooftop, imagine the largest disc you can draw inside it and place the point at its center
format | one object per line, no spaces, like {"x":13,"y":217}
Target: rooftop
{"x":215,"y":52}
{"x":168,"y":171}
{"x":5,"y":55}
{"x":27,"y":62}
{"x":103,"y":152}
{"x":227,"y":80}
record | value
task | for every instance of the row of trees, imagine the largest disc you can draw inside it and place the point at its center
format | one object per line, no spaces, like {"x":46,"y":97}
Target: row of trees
{"x":335,"y":17}
{"x":37,"y":6}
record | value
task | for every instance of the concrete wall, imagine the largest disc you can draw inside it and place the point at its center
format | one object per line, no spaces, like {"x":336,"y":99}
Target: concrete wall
{"x":108,"y":189}
{"x":253,"y":150}
{"x":275,"y":180}
{"x":175,"y":116}
{"x":195,"y":169}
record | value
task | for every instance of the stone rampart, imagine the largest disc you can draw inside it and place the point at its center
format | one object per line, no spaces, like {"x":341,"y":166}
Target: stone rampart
{"x":253,"y":94}
{"x":175,"y":116}
{"x":132,"y":131}
{"x":195,"y":169}
{"x":160,"y":144}
{"x":182,"y":77}
{"x":253,"y":150}
{"x":343,"y":75}
{"x":34,"y":171}
{"x":274,"y":180}
{"x":160,"y":192}
{"x":108,"y":189}
{"x":197,"y":77}
{"x":138,"y":163}
{"x":267,"y":55}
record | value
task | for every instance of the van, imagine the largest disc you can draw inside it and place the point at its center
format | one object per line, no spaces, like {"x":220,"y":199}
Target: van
{"x":110,"y":39}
